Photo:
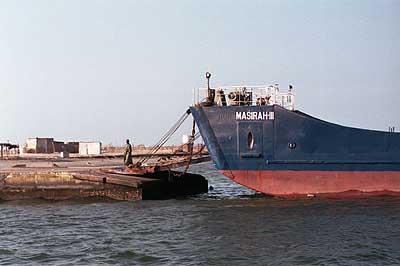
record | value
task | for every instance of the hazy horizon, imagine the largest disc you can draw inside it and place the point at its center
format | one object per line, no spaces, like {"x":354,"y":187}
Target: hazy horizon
{"x":111,"y":70}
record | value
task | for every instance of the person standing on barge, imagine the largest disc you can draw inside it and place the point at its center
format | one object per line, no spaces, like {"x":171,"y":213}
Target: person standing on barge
{"x":128,"y":154}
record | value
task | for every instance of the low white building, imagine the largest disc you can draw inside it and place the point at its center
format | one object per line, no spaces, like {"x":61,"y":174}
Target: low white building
{"x":89,"y":148}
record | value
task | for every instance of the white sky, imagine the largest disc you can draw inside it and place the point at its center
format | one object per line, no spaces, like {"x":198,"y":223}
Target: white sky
{"x":108,"y":70}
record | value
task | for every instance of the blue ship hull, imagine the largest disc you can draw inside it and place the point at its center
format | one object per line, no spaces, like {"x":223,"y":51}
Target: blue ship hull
{"x":289,"y":153}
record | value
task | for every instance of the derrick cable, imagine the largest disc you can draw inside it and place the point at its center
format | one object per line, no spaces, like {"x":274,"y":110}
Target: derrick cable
{"x":196,"y":136}
{"x":159,"y":147}
{"x":162,"y":141}
{"x":164,"y":138}
{"x":167,"y":134}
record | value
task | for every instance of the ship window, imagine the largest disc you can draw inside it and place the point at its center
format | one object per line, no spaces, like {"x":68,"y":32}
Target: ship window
{"x":250,"y":141}
{"x":292,"y":145}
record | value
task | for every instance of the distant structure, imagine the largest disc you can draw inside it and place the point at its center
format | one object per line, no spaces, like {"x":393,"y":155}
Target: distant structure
{"x":89,"y":148}
{"x":186,"y":142}
{"x":39,"y":145}
{"x":8,"y":149}
{"x":49,"y":145}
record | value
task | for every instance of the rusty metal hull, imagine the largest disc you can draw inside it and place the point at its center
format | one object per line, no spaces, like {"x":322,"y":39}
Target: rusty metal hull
{"x":97,"y":184}
{"x":61,"y":186}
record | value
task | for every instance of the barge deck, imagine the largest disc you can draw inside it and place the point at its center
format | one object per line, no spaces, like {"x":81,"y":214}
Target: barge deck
{"x":72,"y":178}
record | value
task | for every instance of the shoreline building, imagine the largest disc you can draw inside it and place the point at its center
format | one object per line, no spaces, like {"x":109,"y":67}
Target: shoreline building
{"x":49,"y":145}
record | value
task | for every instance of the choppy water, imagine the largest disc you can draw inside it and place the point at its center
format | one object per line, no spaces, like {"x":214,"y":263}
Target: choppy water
{"x":229,"y":226}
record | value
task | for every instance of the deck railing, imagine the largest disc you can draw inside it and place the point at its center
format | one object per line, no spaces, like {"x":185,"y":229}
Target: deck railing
{"x":245,"y":95}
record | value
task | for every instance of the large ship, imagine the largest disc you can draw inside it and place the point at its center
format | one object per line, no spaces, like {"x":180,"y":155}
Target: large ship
{"x":256,"y":137}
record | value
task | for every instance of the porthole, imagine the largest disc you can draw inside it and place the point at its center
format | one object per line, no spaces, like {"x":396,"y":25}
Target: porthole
{"x":250,"y":141}
{"x":292,"y":145}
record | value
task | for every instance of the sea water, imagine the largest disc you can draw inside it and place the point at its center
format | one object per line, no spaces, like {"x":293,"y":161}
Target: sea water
{"x":230,"y":225}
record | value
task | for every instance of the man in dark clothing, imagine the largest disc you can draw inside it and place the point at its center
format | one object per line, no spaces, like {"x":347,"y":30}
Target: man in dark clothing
{"x":128,"y":154}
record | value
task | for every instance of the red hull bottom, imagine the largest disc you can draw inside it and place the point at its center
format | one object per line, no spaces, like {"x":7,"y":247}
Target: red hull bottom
{"x":330,"y":184}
